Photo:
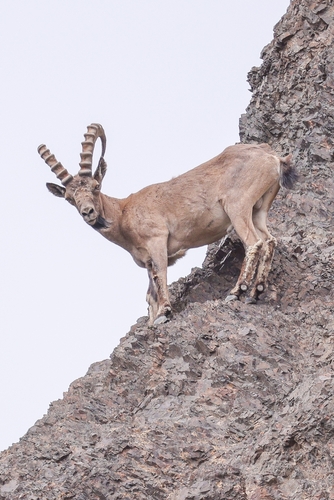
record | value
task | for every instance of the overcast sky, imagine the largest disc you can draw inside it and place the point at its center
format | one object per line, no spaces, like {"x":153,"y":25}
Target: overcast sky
{"x":167,"y":80}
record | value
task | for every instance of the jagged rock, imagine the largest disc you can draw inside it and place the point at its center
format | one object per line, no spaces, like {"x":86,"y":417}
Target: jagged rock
{"x":228,"y":400}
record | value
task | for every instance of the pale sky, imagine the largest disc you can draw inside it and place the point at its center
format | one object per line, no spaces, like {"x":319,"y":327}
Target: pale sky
{"x":167,"y":80}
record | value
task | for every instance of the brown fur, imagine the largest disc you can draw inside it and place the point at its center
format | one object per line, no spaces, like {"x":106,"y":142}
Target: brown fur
{"x":159,"y":223}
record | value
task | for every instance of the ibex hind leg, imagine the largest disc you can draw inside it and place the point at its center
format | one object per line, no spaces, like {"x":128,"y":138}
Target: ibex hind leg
{"x":260,"y":281}
{"x":248,"y":271}
{"x":241,"y":220}
{"x":270,"y":243}
{"x":243,"y":225}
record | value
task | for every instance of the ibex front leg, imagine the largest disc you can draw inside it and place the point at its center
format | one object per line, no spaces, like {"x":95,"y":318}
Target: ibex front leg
{"x":157,"y":295}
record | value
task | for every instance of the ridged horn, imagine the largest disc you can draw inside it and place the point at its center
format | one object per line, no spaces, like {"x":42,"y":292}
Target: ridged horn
{"x":94,"y":131}
{"x":55,"y":165}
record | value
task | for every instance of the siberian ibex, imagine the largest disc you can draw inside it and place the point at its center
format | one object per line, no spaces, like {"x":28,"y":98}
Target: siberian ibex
{"x":161,"y":222}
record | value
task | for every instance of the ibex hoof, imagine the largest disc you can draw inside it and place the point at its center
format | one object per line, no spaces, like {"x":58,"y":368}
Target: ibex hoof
{"x":250,"y":300}
{"x":260,"y":287}
{"x":244,"y":288}
{"x":160,"y":320}
{"x":231,"y":297}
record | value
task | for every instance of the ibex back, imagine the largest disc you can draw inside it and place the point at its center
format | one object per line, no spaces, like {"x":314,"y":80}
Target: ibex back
{"x":161,"y":222}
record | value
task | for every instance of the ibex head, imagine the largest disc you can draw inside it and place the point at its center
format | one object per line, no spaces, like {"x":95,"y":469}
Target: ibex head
{"x":82,"y":190}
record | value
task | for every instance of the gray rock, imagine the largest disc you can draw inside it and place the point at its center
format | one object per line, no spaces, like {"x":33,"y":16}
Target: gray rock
{"x":227,"y":400}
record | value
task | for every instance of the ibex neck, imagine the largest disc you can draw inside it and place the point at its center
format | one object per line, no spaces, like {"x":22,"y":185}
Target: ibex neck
{"x":111,"y":212}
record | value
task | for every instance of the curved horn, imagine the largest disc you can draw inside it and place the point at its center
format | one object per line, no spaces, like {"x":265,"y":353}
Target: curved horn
{"x":55,"y":165}
{"x":94,"y":131}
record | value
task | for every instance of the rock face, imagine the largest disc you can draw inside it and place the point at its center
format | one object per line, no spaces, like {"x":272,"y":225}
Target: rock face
{"x":228,"y":400}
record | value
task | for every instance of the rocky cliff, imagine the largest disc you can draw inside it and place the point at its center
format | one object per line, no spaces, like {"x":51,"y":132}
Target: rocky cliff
{"x":228,"y":400}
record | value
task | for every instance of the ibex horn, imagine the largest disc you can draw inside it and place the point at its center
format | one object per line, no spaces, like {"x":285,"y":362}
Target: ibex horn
{"x":55,"y":165}
{"x":94,"y":131}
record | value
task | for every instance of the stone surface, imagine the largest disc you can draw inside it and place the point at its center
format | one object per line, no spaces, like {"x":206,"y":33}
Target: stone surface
{"x":228,"y":400}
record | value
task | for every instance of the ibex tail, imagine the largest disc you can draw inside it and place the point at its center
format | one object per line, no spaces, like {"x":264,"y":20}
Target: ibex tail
{"x":289,"y":174}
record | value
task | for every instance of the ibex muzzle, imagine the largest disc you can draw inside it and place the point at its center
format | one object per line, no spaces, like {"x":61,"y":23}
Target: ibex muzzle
{"x":89,"y":214}
{"x":87,"y":206}
{"x":161,"y":222}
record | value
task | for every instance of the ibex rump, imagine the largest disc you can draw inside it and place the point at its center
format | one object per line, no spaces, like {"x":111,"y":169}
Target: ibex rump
{"x":161,"y":222}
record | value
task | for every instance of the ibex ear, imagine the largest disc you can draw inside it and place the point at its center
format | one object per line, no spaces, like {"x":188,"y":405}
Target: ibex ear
{"x":56,"y":190}
{"x":100,"y":172}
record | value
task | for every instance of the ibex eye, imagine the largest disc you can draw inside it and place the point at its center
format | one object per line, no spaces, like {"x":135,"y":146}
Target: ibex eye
{"x":97,"y":187}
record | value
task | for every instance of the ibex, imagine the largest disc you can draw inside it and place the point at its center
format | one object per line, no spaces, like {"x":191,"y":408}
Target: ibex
{"x":161,"y":222}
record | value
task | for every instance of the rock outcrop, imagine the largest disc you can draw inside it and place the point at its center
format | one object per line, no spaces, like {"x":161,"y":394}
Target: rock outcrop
{"x":228,"y":400}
